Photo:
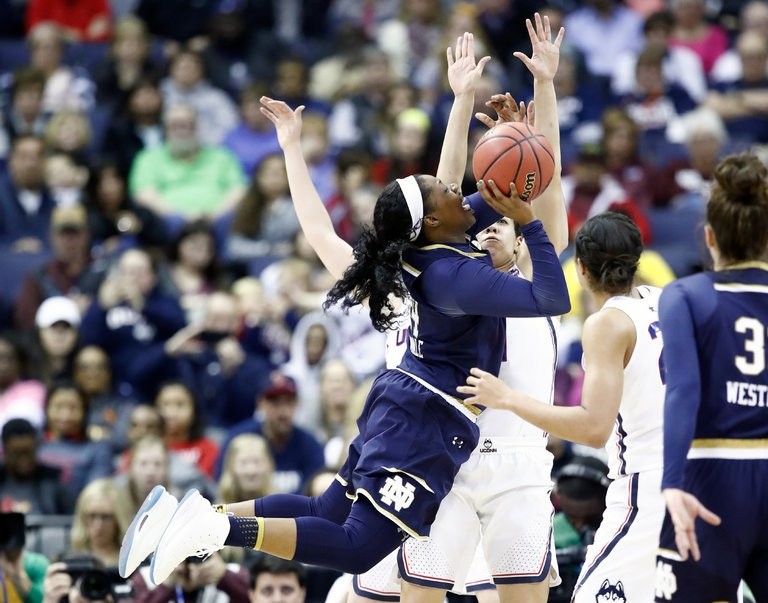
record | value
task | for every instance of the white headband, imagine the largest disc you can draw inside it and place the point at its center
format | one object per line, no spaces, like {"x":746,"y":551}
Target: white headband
{"x":412,"y":194}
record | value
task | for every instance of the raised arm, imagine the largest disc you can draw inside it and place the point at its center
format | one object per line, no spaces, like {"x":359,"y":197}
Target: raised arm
{"x":333,"y":251}
{"x":463,"y":75}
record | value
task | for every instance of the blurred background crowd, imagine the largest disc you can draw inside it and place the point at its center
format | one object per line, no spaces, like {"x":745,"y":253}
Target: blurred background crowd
{"x":160,"y":310}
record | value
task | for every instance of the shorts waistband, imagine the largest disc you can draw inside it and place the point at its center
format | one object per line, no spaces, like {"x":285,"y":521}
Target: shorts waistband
{"x":491,"y":444}
{"x":468,"y":410}
{"x":728,"y":448}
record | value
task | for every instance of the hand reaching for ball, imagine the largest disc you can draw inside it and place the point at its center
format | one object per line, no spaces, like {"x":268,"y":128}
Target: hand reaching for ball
{"x":508,"y":110}
{"x":511,"y":205}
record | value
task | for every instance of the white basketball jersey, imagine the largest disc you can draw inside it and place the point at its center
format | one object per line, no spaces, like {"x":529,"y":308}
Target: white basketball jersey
{"x":528,"y":366}
{"x":397,"y":337}
{"x":636,"y":441}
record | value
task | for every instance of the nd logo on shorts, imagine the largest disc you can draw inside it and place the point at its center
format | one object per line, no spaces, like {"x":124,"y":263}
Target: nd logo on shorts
{"x":395,"y":492}
{"x":611,"y":592}
{"x":666,"y":581}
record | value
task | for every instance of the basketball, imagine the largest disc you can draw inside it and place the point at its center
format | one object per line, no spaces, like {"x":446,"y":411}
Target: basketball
{"x":515,"y":152}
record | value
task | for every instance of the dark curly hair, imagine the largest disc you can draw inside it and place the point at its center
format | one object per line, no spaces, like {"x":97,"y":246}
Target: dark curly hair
{"x":738,"y":208}
{"x":375,"y":273}
{"x":609,"y":245}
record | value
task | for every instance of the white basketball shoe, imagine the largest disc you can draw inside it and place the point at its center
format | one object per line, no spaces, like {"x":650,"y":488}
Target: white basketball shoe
{"x":145,"y":530}
{"x":195,"y":530}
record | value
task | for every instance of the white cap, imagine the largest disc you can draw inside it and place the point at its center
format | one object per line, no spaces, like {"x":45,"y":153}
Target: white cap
{"x":57,"y":309}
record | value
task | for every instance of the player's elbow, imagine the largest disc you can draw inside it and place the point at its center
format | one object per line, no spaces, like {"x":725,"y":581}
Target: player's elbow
{"x":596,"y":435}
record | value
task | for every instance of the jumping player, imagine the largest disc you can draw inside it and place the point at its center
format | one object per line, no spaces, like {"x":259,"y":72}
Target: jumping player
{"x":394,"y":477}
{"x":621,"y":408}
{"x":716,"y":430}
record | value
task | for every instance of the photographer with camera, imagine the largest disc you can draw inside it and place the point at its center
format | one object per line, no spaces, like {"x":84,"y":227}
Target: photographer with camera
{"x":82,"y":579}
{"x":195,"y":581}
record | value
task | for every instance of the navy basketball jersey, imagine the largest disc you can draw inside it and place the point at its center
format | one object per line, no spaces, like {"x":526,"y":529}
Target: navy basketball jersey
{"x":730,"y":314}
{"x":443,"y":347}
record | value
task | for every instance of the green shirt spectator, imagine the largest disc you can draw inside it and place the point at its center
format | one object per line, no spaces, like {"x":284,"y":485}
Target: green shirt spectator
{"x":184,"y":178}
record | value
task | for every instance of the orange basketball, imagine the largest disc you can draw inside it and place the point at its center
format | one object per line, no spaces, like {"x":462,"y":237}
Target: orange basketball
{"x":515,"y":152}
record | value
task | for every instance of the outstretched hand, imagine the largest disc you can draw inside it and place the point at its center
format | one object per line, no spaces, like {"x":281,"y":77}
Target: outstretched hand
{"x":545,"y":54}
{"x":463,"y":72}
{"x":287,"y":121}
{"x":485,"y":389}
{"x":684,"y":509}
{"x":507,"y":110}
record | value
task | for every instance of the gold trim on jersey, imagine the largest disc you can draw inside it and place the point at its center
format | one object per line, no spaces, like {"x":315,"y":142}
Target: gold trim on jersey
{"x":410,"y":269}
{"x":341,"y":480}
{"x":469,"y":254}
{"x":669,"y":554}
{"x":398,"y":522}
{"x":411,"y":475}
{"x":743,"y":265}
{"x":729,"y":443}
{"x":741,"y":288}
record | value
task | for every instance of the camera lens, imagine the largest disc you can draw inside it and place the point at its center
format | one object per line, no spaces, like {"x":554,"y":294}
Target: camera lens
{"x":94,"y":585}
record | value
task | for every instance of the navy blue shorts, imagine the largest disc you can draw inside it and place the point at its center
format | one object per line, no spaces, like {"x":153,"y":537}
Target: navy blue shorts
{"x":409,"y":449}
{"x":737,"y":490}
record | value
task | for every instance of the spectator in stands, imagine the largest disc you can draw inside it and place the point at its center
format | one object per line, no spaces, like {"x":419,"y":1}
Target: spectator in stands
{"x":296,"y":452}
{"x":315,"y":341}
{"x":196,"y":579}
{"x":57,"y":321}
{"x":115,"y":221}
{"x":69,"y":273}
{"x":109,"y":413}
{"x":264,"y":221}
{"x":752,"y":17}
{"x":22,"y":571}
{"x":20,"y":396}
{"x":606,"y":29}
{"x":25,"y":203}
{"x":407,"y":149}
{"x":185,"y":177}
{"x":216,"y":113}
{"x":145,"y":420}
{"x":694,"y":32}
{"x":689,"y":178}
{"x":680,"y":65}
{"x":27,"y":485}
{"x":183,"y":427}
{"x":96,"y":529}
{"x":23,"y":115}
{"x":129,"y":61}
{"x":656,"y":103}
{"x":66,"y":176}
{"x":69,"y":131}
{"x":130,"y":318}
{"x":136,"y":126}
{"x":316,"y":148}
{"x":743,"y":102}
{"x":337,"y":390}
{"x":81,"y":20}
{"x":254,"y":137}
{"x":65,"y":87}
{"x":66,"y":444}
{"x":274,"y":579}
{"x":352,"y":174}
{"x":147,"y":466}
{"x":623,"y":158}
{"x":194,"y":269}
{"x":209,"y":357}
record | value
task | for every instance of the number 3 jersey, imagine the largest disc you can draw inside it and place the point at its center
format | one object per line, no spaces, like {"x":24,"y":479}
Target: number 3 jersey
{"x":636,"y":441}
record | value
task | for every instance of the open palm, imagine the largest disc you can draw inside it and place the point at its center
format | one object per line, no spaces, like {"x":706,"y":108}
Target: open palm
{"x":545,"y":54}
{"x":287,"y":121}
{"x":463,"y":72}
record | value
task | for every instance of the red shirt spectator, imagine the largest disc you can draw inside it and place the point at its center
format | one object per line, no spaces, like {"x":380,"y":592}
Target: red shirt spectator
{"x":86,"y":20}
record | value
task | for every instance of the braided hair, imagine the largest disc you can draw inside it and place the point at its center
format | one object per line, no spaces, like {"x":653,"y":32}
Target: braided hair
{"x":609,"y":246}
{"x":375,"y":273}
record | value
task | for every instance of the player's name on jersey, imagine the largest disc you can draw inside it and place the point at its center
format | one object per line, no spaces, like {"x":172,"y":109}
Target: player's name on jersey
{"x":747,"y":394}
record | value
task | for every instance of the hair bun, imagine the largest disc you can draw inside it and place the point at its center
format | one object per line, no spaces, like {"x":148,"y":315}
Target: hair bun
{"x":742,"y":178}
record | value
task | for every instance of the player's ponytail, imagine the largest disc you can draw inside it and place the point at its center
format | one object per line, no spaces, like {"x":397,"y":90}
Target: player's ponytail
{"x":375,"y":273}
{"x":738,"y":208}
{"x":609,"y":246}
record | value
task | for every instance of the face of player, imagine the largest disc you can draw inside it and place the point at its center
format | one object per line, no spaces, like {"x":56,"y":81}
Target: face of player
{"x":277,"y":588}
{"x":500,"y":240}
{"x":448,"y":208}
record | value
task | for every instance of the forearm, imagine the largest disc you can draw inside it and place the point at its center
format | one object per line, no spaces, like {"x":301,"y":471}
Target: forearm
{"x":453,"y":155}
{"x":550,"y":205}
{"x":572,"y":423}
{"x":315,"y":222}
